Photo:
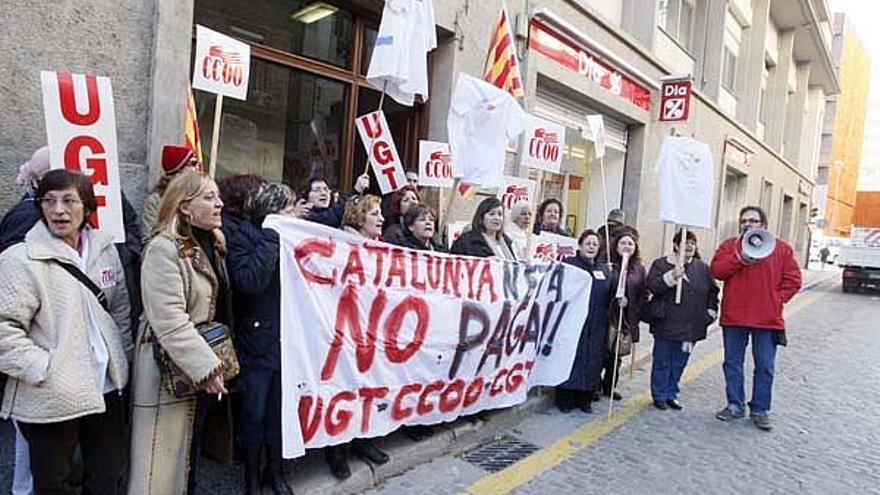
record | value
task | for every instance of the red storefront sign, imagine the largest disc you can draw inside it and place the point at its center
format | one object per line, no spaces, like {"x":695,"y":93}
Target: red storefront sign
{"x":555,"y":47}
{"x":675,"y":101}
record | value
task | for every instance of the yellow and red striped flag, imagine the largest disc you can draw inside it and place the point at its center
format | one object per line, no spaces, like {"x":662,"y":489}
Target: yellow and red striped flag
{"x":191,"y":129}
{"x":502,"y":67}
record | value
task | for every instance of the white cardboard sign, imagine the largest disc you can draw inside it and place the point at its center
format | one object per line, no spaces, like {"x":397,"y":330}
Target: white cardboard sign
{"x":435,"y":164}
{"x":542,"y":145}
{"x":553,"y":246}
{"x":81,"y":134}
{"x":514,"y":189}
{"x":379,"y":145}
{"x":222,"y":64}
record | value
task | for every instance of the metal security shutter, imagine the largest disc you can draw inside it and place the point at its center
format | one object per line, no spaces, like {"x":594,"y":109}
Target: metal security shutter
{"x":558,"y":108}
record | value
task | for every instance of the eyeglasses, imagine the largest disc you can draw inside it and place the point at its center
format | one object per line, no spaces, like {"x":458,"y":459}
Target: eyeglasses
{"x":68,"y":202}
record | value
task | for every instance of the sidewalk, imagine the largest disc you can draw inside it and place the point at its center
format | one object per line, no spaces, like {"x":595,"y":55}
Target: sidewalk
{"x":311,"y":476}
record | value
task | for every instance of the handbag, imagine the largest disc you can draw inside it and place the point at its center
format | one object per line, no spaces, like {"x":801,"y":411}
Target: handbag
{"x":625,"y":341}
{"x":219,"y":338}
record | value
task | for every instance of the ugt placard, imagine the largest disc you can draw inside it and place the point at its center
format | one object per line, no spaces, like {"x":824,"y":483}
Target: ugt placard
{"x":81,"y":134}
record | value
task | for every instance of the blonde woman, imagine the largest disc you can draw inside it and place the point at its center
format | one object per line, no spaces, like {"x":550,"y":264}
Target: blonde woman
{"x":184,"y":284}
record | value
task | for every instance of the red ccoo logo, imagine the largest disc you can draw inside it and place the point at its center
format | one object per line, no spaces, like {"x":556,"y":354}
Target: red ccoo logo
{"x":513,"y":194}
{"x":224,"y":66}
{"x":439,"y":165}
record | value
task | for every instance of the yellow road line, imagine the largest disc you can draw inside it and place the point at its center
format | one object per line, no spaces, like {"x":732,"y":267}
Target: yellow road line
{"x":564,"y":448}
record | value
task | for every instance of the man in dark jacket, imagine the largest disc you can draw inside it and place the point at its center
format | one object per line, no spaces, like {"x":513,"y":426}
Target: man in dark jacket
{"x":751,"y":308}
{"x":616,"y":222}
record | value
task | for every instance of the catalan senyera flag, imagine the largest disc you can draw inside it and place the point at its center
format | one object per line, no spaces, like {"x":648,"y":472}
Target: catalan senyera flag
{"x":191,"y":129}
{"x":502,"y":67}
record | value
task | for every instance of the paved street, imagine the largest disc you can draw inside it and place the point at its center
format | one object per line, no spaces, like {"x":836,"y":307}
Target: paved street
{"x":825,"y":438}
{"x":824,"y":441}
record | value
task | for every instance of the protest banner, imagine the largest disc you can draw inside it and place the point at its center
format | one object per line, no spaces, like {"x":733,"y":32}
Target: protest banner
{"x":542,"y":145}
{"x":514,"y":189}
{"x":222,"y":66}
{"x":379,"y":145}
{"x":553,"y":246}
{"x":81,"y":135}
{"x":435,"y":164}
{"x":375,"y":337}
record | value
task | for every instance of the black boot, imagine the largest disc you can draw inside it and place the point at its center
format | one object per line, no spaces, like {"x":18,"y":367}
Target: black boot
{"x":367,"y":450}
{"x":252,"y":471}
{"x":337,"y":459}
{"x":274,"y":476}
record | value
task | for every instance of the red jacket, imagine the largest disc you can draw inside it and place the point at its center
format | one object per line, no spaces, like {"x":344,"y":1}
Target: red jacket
{"x":754,"y":294}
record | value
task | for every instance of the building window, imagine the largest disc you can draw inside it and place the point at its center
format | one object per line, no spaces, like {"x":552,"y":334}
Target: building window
{"x":306,"y":88}
{"x":767,"y":196}
{"x":728,"y":71}
{"x":676,"y":18}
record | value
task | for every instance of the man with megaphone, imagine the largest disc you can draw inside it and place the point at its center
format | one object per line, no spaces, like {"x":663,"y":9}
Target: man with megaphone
{"x":760,"y":275}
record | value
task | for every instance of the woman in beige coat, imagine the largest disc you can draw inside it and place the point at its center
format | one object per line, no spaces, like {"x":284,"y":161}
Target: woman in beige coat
{"x":64,"y":347}
{"x":184,"y":284}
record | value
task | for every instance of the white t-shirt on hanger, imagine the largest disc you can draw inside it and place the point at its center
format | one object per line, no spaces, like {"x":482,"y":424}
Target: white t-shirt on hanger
{"x":399,"y":61}
{"x":687,"y":182}
{"x":482,"y":118}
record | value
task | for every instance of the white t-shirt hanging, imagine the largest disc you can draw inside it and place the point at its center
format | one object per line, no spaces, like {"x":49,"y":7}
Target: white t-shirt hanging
{"x":482,"y":118}
{"x":686,"y":178}
{"x":399,"y":62}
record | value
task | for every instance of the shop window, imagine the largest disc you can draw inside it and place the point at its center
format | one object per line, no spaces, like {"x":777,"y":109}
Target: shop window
{"x":289,"y":128}
{"x":306,"y":88}
{"x":677,"y":19}
{"x":317,"y":30}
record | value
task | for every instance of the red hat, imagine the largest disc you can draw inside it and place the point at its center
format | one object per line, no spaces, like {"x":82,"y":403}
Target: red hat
{"x":175,"y":158}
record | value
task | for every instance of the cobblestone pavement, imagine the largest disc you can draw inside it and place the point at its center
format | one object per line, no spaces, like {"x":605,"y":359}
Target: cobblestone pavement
{"x":825,"y":437}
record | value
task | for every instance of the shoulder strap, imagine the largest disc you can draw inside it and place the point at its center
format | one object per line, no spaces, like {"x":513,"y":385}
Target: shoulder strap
{"x":85,"y":280}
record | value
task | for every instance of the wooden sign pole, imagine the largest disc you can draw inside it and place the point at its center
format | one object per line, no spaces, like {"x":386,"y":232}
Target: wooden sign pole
{"x":215,"y":135}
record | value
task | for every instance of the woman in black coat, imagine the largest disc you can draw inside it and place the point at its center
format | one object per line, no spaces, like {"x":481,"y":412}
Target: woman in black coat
{"x":583,"y":382}
{"x":634,"y":298}
{"x":550,"y":218}
{"x":254,"y":271}
{"x":486,"y":236}
{"x":418,"y":228}
{"x":677,"y":327}
{"x":401,"y":200}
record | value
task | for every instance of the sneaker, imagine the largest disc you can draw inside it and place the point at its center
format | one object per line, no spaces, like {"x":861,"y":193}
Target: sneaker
{"x":729,"y":413}
{"x":762,"y":421}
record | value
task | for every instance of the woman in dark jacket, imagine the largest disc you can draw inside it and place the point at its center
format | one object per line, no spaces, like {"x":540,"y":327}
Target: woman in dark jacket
{"x":234,"y":191}
{"x":254,"y":272}
{"x":550,"y":218}
{"x":634,"y":298}
{"x":486,"y":236}
{"x":418,"y":230}
{"x":401,"y":201}
{"x":319,"y":200}
{"x":578,"y":390}
{"x":677,"y":327}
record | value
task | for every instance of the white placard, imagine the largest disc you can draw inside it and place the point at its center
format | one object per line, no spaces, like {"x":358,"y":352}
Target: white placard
{"x":554,"y":246}
{"x":379,"y":145}
{"x":515,"y":189}
{"x":542,"y":145}
{"x":595,"y":132}
{"x":222,"y":64}
{"x":435,"y":164}
{"x":81,"y":133}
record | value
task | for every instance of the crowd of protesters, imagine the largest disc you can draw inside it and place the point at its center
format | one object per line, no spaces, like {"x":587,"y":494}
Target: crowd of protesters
{"x":111,"y":314}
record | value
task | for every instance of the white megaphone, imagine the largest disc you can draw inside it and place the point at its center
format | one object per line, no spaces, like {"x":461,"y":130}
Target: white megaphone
{"x":757,"y":244}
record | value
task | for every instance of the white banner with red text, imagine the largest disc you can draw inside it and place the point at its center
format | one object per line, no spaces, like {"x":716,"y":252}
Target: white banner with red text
{"x":375,"y":337}
{"x":81,"y":136}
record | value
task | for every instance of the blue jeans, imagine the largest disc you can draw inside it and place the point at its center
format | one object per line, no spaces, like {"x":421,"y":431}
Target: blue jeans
{"x":260,"y":406}
{"x":764,"y":354}
{"x":667,"y":365}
